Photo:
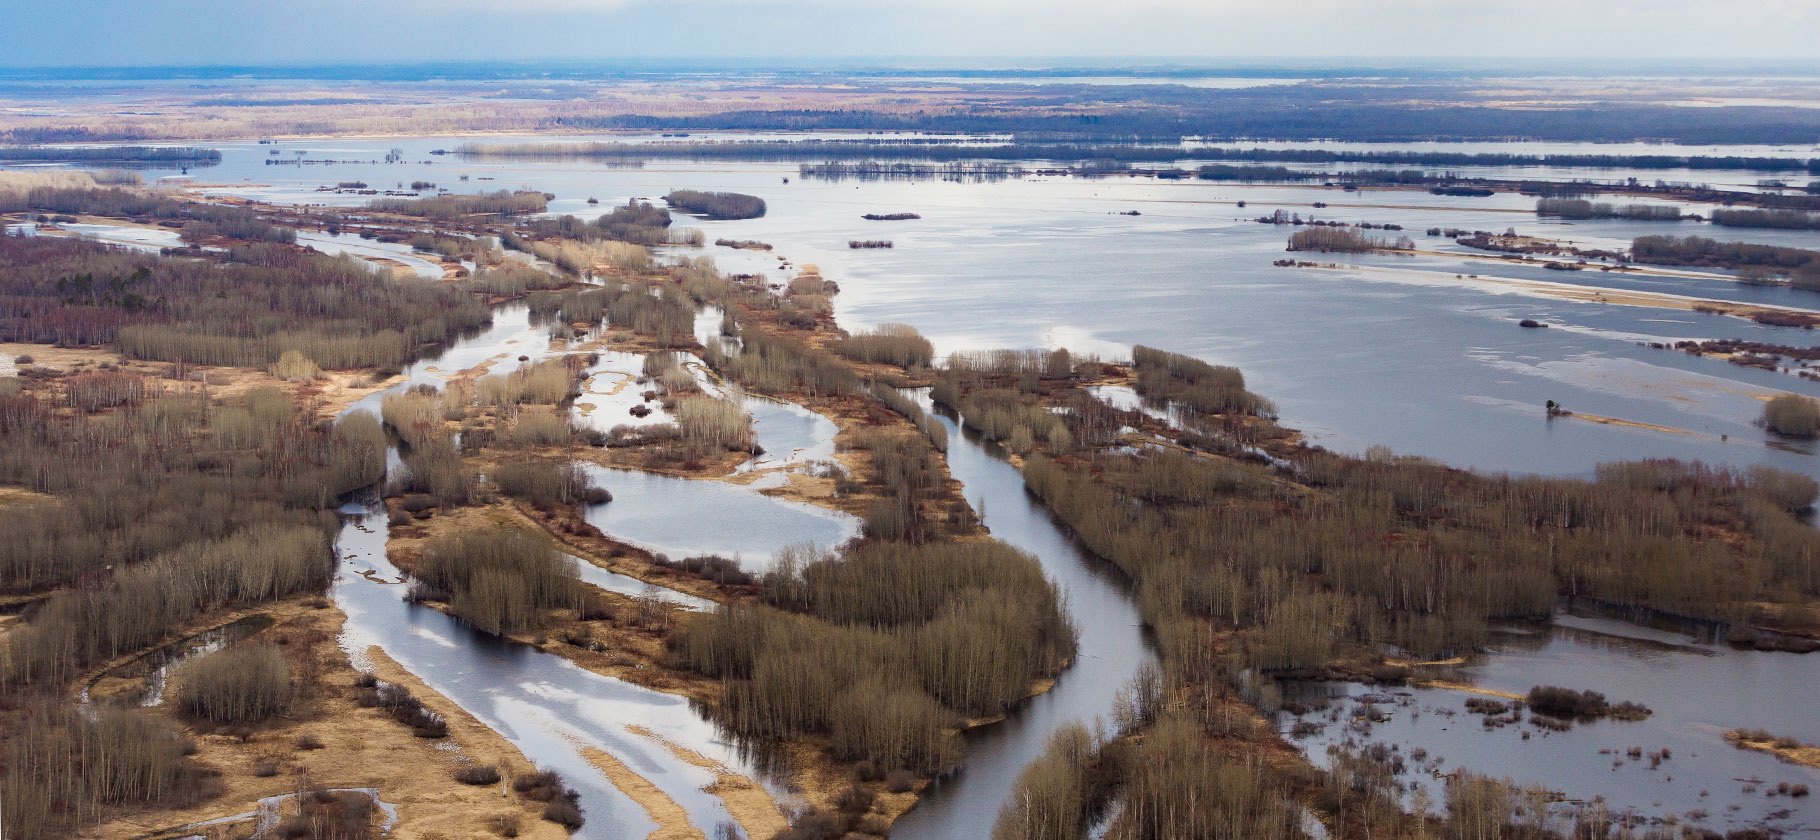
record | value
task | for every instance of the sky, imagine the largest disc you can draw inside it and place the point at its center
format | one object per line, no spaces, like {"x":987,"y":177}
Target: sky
{"x":45,"y":33}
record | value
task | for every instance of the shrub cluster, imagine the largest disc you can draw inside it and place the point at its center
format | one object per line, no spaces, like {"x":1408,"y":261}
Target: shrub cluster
{"x":717,"y":205}
{"x":883,"y":649}
{"x":244,"y":683}
{"x":897,"y":344}
{"x":500,"y":580}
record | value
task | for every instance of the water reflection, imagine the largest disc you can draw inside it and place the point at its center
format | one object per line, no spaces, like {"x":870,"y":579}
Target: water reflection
{"x":1697,"y":691}
{"x":1112,"y":648}
{"x":682,"y":517}
{"x":1353,"y":358}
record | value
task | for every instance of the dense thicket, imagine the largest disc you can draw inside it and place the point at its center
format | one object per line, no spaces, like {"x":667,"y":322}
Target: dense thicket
{"x":449,"y":207}
{"x":246,"y":682}
{"x":222,"y":506}
{"x":501,"y":580}
{"x":1217,"y":545}
{"x":883,"y":649}
{"x":1058,"y":794}
{"x":140,"y":605}
{"x":63,"y":767}
{"x":717,"y":205}
{"x":1579,"y":208}
{"x":1793,"y":415}
{"x":1181,"y":785}
{"x":1748,"y":218}
{"x":546,"y":483}
{"x":897,"y":344}
{"x":1196,"y":385}
{"x":1228,"y":172}
{"x":1699,"y":250}
{"x":111,"y":154}
{"x":777,"y":365}
{"x":1335,"y":240}
{"x":247,"y":311}
{"x":946,"y":149}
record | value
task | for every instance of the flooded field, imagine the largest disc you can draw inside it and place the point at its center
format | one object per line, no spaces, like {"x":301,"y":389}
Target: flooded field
{"x":1419,"y":353}
{"x":1413,"y":353}
{"x":1676,"y":763}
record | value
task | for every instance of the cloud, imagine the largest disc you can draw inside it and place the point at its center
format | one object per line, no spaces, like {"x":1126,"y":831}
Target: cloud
{"x":54,"y":32}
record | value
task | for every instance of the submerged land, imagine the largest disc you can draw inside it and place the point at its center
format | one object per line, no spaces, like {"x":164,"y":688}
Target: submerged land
{"x":326,"y":508}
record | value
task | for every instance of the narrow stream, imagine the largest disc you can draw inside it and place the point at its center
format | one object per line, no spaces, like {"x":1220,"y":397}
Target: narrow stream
{"x":1112,"y":648}
{"x":555,"y":712}
{"x":549,"y":708}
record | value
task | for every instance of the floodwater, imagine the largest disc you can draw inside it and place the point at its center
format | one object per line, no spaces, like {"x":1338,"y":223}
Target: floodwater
{"x":1697,"y":691}
{"x":1414,"y":353}
{"x":1393,"y":351}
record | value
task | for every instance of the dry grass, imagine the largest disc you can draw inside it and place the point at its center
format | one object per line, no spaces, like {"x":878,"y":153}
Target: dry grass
{"x":360,"y":748}
{"x":1787,"y":749}
{"x":21,"y":182}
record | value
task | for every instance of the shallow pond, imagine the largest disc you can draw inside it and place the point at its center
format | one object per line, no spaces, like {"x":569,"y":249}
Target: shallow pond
{"x":682,"y":517}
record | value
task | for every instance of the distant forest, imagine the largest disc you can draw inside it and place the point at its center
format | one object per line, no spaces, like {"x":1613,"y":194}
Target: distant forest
{"x":952,"y":149}
{"x":112,"y":154}
{"x":1287,"y":117}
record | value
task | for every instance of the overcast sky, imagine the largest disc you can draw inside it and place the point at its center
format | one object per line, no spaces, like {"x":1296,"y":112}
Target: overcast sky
{"x":194,"y":32}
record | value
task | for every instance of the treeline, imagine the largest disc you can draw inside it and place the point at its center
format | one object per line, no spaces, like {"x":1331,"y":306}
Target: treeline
{"x":176,"y":155}
{"x":245,"y":311}
{"x":449,"y":207}
{"x":831,"y":150}
{"x":199,"y":220}
{"x":884,"y":650}
{"x":872,"y":170}
{"x":1748,"y":218}
{"x":717,"y":205}
{"x":1439,"y":158}
{"x":1228,"y":172}
{"x":942,"y":149}
{"x":1701,"y":251}
{"x":1320,"y":112}
{"x":1579,"y":208}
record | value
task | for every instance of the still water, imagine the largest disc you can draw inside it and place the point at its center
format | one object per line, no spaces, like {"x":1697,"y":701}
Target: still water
{"x":1696,"y":689}
{"x":1384,"y":350}
{"x":1409,"y":352}
{"x":1112,"y":649}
